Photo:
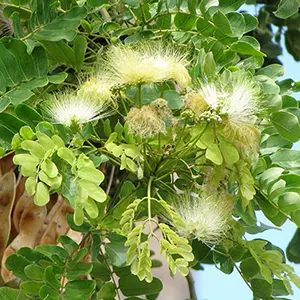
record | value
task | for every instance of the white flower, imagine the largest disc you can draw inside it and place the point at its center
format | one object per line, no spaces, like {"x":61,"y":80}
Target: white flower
{"x":69,"y":108}
{"x":97,"y":87}
{"x":149,"y":119}
{"x":147,"y":63}
{"x":205,"y":216}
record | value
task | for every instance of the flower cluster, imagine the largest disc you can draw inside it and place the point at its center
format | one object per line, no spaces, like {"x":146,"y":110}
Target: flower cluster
{"x":233,"y":102}
{"x":148,"y":63}
{"x":205,"y":215}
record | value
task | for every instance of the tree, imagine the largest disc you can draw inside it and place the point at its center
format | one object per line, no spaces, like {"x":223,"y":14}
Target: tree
{"x":125,"y":118}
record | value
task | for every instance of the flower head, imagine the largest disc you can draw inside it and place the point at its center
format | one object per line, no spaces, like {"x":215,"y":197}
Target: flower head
{"x":97,"y":87}
{"x":205,"y":215}
{"x":149,"y":119}
{"x":235,"y":100}
{"x":148,"y":63}
{"x":69,"y":108}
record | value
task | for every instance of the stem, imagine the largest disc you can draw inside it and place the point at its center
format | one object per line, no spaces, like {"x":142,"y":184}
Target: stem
{"x":111,"y":177}
{"x":149,"y":204}
{"x":140,"y":95}
{"x":111,"y":273}
{"x":191,"y":284}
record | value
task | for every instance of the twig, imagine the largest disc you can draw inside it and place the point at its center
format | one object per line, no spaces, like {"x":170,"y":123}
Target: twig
{"x":191,"y":284}
{"x":111,"y":177}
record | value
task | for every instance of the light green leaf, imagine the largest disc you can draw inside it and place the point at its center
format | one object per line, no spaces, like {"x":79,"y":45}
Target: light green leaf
{"x":287,"y":125}
{"x":213,"y":153}
{"x":93,"y":190}
{"x":41,"y":196}
{"x":229,"y":152}
{"x":49,"y":168}
{"x":30,"y":185}
{"x":91,"y":174}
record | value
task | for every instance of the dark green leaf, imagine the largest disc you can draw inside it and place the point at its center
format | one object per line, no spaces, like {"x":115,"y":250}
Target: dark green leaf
{"x":132,"y":286}
{"x":185,"y":21}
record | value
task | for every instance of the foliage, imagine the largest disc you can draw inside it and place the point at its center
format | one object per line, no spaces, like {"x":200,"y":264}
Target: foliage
{"x":178,"y":97}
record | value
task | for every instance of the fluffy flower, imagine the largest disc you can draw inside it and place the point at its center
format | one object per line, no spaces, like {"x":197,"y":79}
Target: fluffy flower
{"x":236,"y":101}
{"x":149,"y":119}
{"x":97,"y":87}
{"x":148,"y":63}
{"x":70,"y":109}
{"x":205,"y":215}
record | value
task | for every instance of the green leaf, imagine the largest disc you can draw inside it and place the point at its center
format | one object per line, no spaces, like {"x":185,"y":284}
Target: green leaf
{"x":79,"y":289}
{"x":67,"y":155}
{"x":17,"y":264}
{"x":287,"y":125}
{"x":80,"y":46}
{"x":85,"y":227}
{"x":101,"y":271}
{"x":94,"y":191}
{"x":279,"y":289}
{"x":221,"y":21}
{"x":209,"y":66}
{"x":131,"y":286}
{"x":213,"y":153}
{"x":273,"y":71}
{"x":30,"y":116}
{"x":11,"y":122}
{"x":16,"y":65}
{"x":31,"y":287}
{"x":41,"y":196}
{"x":261,"y":288}
{"x":91,"y":174}
{"x":107,"y":291}
{"x":49,"y":168}
{"x":61,"y":27}
{"x":68,"y":244}
{"x":30,"y":185}
{"x":237,"y":24}
{"x":27,"y":133}
{"x":51,"y":278}
{"x":34,"y":148}
{"x":95,"y":3}
{"x":287,"y":8}
{"x":249,"y":267}
{"x":132,"y":3}
{"x":164,"y":21}
{"x":205,"y":27}
{"x":79,"y":269}
{"x":20,"y":159}
{"x":229,"y":152}
{"x":289,"y":201}
{"x":247,"y":45}
{"x":116,"y":251}
{"x":185,"y":21}
{"x":286,"y":158}
{"x":227,"y":6}
{"x":34,"y":272}
{"x":293,"y":250}
{"x":7,"y":293}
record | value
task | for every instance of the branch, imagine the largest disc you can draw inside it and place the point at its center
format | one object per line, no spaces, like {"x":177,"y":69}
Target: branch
{"x":191,"y":284}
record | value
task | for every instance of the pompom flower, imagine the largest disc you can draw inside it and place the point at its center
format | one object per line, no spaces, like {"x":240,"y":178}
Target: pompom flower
{"x":149,"y":119}
{"x":97,"y":87}
{"x":235,"y":100}
{"x":148,"y":63}
{"x":69,"y":108}
{"x":205,"y":216}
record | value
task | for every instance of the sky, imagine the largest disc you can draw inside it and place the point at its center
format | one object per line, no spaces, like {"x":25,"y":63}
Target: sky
{"x":212,"y":284}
